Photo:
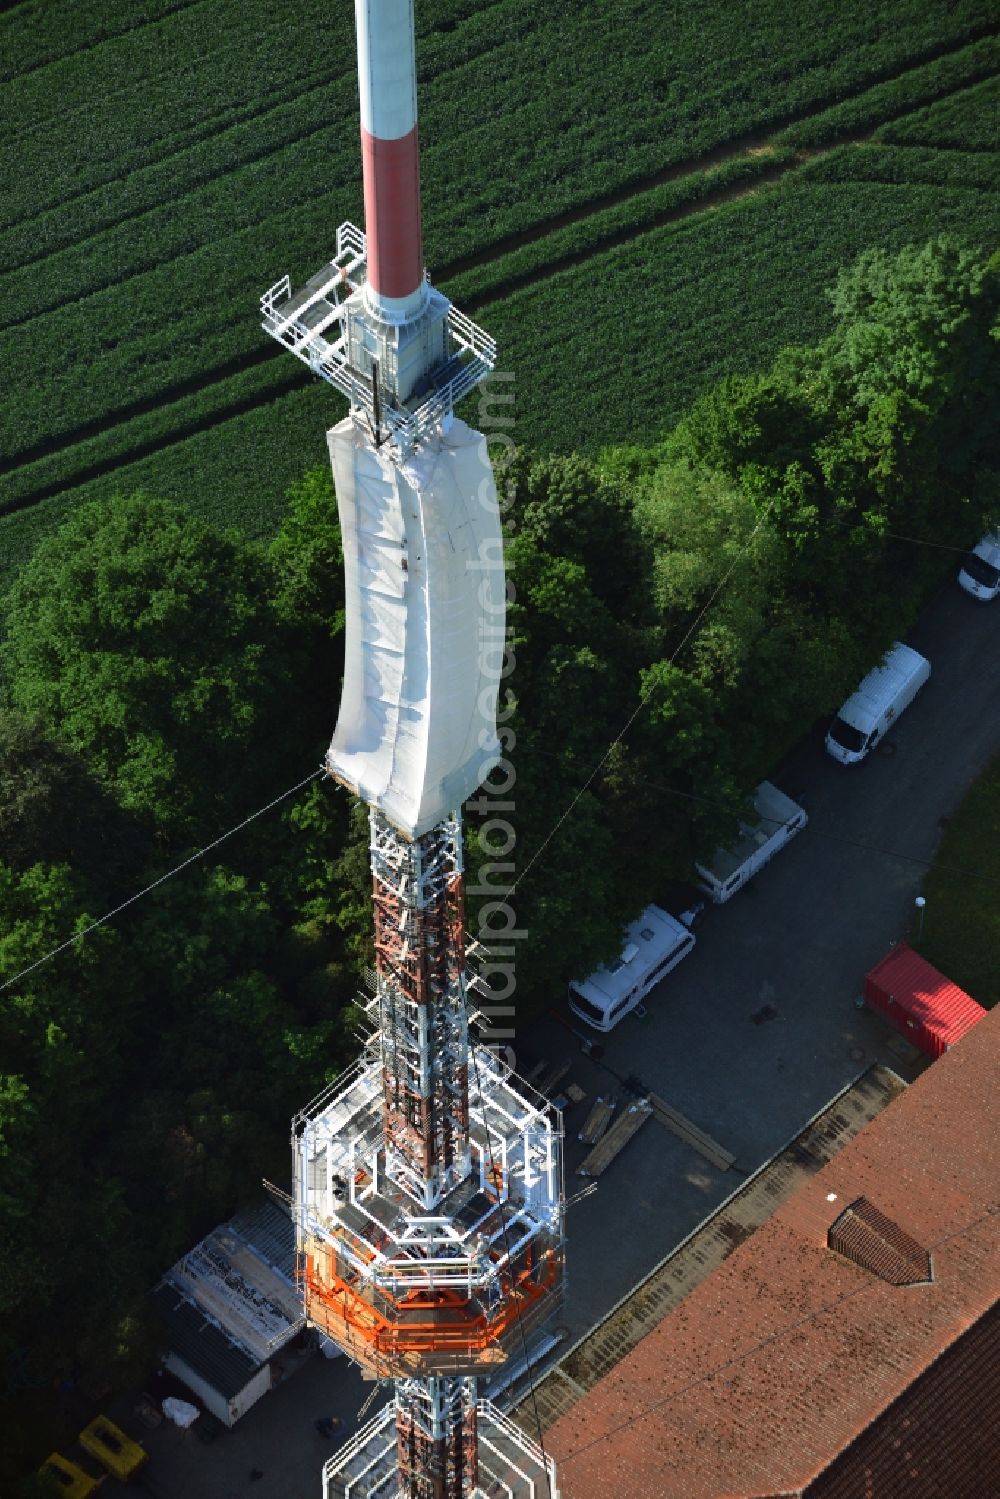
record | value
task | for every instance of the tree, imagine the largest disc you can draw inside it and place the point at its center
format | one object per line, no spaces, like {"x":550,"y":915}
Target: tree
{"x":906,"y":322}
{"x":53,"y":811}
{"x":62,"y":1028}
{"x":759,"y":418}
{"x":161,"y":682}
{"x":308,"y":557}
{"x":148,"y":640}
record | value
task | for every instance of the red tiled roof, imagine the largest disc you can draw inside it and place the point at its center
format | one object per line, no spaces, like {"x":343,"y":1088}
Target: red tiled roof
{"x":939,"y":1439}
{"x":781,"y":1359}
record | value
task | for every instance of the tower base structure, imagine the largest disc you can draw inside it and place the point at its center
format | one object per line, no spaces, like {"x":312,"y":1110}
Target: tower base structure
{"x":509,"y":1466}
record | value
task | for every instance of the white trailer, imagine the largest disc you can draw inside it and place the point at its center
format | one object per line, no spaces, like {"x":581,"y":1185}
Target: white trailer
{"x":777,"y":819}
{"x":655,"y":943}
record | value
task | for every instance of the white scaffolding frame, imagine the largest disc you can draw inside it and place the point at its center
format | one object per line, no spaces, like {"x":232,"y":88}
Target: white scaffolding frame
{"x":338,"y":1153}
{"x":312,"y":325}
{"x":511,"y":1465}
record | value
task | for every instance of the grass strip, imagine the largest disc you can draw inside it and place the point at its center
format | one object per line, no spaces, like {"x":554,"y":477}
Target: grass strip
{"x":961,"y":933}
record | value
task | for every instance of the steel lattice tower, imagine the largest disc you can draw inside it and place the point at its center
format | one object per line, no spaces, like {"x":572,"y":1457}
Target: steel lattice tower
{"x":428,"y":1193}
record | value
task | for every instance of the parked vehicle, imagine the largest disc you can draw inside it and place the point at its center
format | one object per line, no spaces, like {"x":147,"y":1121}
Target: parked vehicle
{"x":874,"y":707}
{"x":980,"y":570}
{"x":777,"y":819}
{"x":654,"y":944}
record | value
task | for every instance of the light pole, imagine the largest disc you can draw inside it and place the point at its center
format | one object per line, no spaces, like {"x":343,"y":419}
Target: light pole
{"x":920,"y":903}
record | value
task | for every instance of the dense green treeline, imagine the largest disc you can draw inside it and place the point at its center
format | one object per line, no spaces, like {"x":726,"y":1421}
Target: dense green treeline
{"x":679,"y":617}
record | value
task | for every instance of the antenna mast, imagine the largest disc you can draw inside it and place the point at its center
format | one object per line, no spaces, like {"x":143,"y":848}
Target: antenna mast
{"x":428,"y":1193}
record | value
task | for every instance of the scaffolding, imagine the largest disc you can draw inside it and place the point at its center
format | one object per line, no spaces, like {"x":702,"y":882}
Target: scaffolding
{"x":454,"y":1291}
{"x":428,"y":1202}
{"x":508,"y":1464}
{"x":327,"y":325}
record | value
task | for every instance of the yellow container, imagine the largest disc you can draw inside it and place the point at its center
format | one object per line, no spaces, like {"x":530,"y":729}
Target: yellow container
{"x":113,"y":1449}
{"x":73,"y":1481}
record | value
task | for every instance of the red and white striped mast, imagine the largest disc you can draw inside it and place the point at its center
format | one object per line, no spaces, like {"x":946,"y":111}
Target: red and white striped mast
{"x":390,"y":154}
{"x":428,"y":1182}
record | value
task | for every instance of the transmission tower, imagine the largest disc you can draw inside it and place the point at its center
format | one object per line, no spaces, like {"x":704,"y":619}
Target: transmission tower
{"x":428,"y":1195}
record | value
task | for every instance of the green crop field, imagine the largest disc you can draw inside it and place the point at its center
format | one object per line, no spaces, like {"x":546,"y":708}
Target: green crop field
{"x":634,"y":195}
{"x":967,"y":122}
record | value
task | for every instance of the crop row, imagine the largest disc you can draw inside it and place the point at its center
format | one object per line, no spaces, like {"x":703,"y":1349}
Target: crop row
{"x":91,"y":359}
{"x":116,"y":208}
{"x":267,"y":122}
{"x":538,"y":101}
{"x":146,"y":357}
{"x":657,"y":320}
{"x":148,"y":429}
{"x":896,"y":96}
{"x":908,"y":166}
{"x":38,"y":32}
{"x":165,"y":88}
{"x":151,"y":331}
{"x":181,"y":282}
{"x":633,"y":215}
{"x":87,"y":125}
{"x":169,"y":231}
{"x":609,"y":351}
{"x":574,"y":130}
{"x":136,"y":242}
{"x":965,"y":123}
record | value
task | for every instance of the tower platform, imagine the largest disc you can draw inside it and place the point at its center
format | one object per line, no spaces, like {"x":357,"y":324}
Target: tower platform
{"x":406,"y":374}
{"x":411,"y":1293}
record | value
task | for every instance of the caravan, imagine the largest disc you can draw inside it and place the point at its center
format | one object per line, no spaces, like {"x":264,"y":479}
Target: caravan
{"x":878,"y":702}
{"x":776,"y":820}
{"x":654,"y":944}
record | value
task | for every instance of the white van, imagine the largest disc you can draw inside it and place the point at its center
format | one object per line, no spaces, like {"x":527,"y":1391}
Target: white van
{"x":777,"y":819}
{"x":980,"y":570}
{"x":876,"y":705}
{"x":654,"y":944}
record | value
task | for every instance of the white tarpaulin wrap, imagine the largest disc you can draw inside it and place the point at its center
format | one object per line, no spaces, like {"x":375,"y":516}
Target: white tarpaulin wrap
{"x":423,"y":566}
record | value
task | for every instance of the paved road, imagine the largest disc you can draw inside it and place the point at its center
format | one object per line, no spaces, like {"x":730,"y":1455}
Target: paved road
{"x":797,"y":939}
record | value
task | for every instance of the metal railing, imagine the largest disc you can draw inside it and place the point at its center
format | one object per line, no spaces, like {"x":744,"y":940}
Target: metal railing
{"x":329,"y":358}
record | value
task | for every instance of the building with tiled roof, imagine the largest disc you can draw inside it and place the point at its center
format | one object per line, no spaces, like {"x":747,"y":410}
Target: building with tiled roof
{"x":850,"y":1348}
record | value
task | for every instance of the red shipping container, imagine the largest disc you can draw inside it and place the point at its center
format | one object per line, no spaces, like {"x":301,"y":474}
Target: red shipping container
{"x":928,"y":1008}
